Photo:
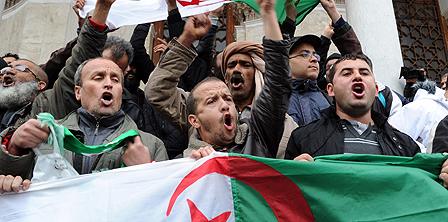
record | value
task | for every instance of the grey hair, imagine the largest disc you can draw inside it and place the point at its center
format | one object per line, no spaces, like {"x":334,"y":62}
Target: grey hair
{"x":119,"y":47}
{"x":428,"y":85}
{"x":77,"y":77}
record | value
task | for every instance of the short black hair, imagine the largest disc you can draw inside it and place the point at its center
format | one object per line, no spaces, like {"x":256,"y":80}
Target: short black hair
{"x":345,"y":57}
{"x":9,"y":54}
{"x":192,"y":102}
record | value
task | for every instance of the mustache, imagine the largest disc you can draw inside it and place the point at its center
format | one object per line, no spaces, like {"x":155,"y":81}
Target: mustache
{"x":237,"y":78}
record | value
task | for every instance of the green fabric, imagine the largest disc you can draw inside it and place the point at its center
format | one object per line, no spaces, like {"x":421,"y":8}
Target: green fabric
{"x":250,"y":206}
{"x":303,"y":7}
{"x":352,"y":187}
{"x":64,"y":138}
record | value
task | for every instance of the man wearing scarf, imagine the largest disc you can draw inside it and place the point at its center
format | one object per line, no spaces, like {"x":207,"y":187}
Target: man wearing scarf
{"x":243,"y":66}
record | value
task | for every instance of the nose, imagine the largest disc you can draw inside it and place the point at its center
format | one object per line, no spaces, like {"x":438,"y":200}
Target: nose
{"x":313,"y":58}
{"x":357,"y":76}
{"x":107,"y":83}
{"x":224,"y":106}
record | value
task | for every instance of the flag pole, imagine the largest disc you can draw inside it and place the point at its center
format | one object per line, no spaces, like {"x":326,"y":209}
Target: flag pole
{"x":230,"y":23}
{"x":158,"y":33}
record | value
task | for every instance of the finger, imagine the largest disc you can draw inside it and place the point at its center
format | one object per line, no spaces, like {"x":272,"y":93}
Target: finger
{"x":196,"y":154}
{"x":2,"y":179}
{"x":7,"y":183}
{"x":26,"y":185}
{"x":444,"y":177}
{"x":209,"y":150}
{"x":162,"y":41}
{"x":304,"y":157}
{"x":138,"y":140}
{"x":16,"y":184}
{"x":445,"y":164}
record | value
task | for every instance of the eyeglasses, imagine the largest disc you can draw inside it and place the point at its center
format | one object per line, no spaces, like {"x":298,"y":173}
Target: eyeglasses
{"x":20,"y":68}
{"x":307,"y":55}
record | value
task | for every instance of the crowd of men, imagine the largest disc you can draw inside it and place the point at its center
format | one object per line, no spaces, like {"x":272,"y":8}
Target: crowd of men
{"x":284,"y":98}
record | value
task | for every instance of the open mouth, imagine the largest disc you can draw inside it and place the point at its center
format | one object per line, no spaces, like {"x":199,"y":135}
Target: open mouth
{"x":358,"y":90}
{"x":228,"y":123}
{"x":107,"y":98}
{"x":237,"y":80}
{"x":8,"y":81}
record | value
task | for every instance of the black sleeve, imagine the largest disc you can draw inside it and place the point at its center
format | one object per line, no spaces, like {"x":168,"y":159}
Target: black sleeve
{"x":142,"y":61}
{"x":288,"y":27}
{"x":440,"y":142}
{"x":292,"y":149}
{"x":323,"y":52}
{"x":175,"y":23}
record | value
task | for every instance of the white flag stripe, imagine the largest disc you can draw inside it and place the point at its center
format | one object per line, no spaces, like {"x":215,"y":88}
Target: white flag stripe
{"x":139,"y":193}
{"x":133,"y":12}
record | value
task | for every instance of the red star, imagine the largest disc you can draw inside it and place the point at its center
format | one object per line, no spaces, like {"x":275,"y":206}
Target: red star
{"x":186,"y":3}
{"x":198,"y":216}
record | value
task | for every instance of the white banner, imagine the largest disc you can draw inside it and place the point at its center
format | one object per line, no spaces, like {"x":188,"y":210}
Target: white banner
{"x":138,"y":193}
{"x":133,"y":12}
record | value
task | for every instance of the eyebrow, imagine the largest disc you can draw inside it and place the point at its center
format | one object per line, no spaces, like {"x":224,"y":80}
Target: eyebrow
{"x":351,"y":69}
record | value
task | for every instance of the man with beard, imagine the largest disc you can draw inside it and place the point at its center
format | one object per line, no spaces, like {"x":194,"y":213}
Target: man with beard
{"x":350,"y":126}
{"x":243,"y":66}
{"x":210,"y":108}
{"x":21,"y":81}
{"x":99,"y":120}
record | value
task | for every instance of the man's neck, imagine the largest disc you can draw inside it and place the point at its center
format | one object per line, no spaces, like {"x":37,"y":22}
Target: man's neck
{"x":241,"y":104}
{"x":365,"y":118}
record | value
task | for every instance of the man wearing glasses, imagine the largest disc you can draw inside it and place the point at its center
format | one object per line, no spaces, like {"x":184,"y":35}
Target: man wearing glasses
{"x":20,"y":82}
{"x":307,"y":100}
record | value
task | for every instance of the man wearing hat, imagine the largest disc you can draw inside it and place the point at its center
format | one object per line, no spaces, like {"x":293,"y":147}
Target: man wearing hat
{"x":307,"y":100}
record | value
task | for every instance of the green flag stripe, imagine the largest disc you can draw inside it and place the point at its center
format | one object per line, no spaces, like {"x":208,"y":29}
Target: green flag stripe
{"x":303,"y":7}
{"x":73,"y":144}
{"x":249,"y":205}
{"x":368,"y":187}
{"x":62,"y":137}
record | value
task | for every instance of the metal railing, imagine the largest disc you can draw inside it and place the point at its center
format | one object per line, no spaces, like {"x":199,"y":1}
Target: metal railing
{"x":11,"y":3}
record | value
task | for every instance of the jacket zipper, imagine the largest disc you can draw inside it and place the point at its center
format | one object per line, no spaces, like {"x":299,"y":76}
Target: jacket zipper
{"x":97,"y":126}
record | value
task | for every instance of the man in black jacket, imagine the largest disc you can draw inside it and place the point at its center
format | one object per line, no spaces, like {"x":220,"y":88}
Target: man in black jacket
{"x":350,"y":126}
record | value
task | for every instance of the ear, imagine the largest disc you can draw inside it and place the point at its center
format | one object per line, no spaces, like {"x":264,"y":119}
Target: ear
{"x":78,"y":93}
{"x":330,"y":89}
{"x":41,"y":85}
{"x":194,"y":121}
{"x":377,"y":89}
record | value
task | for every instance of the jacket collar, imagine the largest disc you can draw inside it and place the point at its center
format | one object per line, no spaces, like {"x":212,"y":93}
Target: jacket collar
{"x":378,"y":119}
{"x":87,"y":119}
{"x":304,"y":85}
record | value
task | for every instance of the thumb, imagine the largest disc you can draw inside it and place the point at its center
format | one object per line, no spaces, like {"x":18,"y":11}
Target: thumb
{"x":138,"y":140}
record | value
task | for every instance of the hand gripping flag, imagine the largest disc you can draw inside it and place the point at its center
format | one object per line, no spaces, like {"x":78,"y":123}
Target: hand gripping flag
{"x":231,"y":187}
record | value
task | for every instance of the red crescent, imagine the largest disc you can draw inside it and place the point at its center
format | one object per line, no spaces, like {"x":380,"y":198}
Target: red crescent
{"x":282,"y":195}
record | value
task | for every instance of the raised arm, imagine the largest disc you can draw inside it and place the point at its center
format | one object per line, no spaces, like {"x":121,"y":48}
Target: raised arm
{"x":344,"y":36}
{"x":268,"y":114}
{"x":141,"y":61}
{"x":161,"y":90}
{"x":91,"y":40}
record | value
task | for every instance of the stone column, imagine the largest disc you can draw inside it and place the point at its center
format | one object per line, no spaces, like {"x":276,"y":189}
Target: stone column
{"x":2,"y":6}
{"x":374,"y":23}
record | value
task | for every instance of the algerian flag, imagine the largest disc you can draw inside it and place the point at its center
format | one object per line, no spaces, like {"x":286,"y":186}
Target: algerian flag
{"x":303,"y":7}
{"x":132,"y":12}
{"x":229,"y":187}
